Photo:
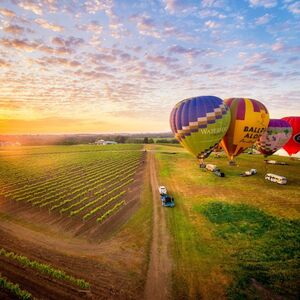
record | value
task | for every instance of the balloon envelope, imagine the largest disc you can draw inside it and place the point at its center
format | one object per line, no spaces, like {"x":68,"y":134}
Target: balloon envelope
{"x":293,"y":145}
{"x":275,"y":137}
{"x":249,"y":119}
{"x":199,"y":123}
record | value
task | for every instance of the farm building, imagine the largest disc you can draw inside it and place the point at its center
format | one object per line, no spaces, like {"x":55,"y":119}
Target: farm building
{"x":103,"y":142}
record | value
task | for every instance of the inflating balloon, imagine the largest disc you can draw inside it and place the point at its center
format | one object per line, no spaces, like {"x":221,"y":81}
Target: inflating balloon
{"x":249,"y":120}
{"x":275,"y":137}
{"x":199,"y":123}
{"x":293,"y":145}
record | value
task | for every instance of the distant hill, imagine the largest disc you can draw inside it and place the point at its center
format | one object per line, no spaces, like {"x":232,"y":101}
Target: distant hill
{"x":73,"y":139}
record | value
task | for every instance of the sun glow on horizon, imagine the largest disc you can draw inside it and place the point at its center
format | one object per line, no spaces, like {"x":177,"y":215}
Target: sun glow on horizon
{"x":113,"y":67}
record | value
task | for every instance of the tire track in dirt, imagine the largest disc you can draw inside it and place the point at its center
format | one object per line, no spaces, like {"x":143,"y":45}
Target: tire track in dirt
{"x":158,"y":283}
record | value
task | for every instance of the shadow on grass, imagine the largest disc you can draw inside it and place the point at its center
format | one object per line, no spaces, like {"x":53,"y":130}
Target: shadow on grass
{"x":267,"y":250}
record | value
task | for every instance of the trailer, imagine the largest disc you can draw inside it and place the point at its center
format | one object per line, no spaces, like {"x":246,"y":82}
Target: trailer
{"x":275,"y":162}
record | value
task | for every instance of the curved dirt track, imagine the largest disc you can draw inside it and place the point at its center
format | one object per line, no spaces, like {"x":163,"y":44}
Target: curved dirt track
{"x":158,"y":284}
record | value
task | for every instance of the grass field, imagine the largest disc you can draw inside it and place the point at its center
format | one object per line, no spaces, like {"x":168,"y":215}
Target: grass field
{"x":233,"y":237}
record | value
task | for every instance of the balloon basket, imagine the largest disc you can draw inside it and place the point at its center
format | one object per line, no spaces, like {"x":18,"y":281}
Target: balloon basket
{"x":232,"y":163}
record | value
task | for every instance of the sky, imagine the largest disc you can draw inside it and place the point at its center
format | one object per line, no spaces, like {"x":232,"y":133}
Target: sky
{"x":120,"y":66}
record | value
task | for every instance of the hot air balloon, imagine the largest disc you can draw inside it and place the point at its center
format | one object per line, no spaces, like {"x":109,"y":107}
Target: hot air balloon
{"x":249,"y":119}
{"x":199,"y":124}
{"x":293,"y":145}
{"x":275,"y":137}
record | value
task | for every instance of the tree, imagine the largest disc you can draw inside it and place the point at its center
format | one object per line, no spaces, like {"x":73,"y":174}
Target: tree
{"x":120,"y":139}
{"x":146,"y":140}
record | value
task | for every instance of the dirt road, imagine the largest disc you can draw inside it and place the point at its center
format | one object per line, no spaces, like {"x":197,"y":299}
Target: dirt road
{"x":158,"y":284}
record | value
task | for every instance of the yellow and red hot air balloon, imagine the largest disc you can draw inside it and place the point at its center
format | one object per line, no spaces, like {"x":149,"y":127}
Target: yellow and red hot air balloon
{"x":249,"y":120}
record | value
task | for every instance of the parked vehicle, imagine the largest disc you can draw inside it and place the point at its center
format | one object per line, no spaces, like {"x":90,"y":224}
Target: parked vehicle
{"x":166,"y":199}
{"x":211,"y":167}
{"x":215,"y":170}
{"x":276,"y":178}
{"x":249,"y":173}
{"x":162,"y":190}
{"x":275,"y":162}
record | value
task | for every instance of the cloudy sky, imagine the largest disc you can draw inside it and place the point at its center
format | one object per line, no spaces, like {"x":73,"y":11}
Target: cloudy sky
{"x":120,"y":66}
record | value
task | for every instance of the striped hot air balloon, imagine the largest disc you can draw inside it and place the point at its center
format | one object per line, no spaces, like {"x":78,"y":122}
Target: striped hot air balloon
{"x":199,"y":123}
{"x":249,"y":120}
{"x":275,"y":137}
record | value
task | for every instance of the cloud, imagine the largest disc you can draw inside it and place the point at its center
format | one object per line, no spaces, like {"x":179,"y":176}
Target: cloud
{"x":258,"y":58}
{"x":264,"y":3}
{"x":263,"y":19}
{"x":33,"y":6}
{"x":58,"y":61}
{"x":282,"y":48}
{"x":13,"y":29}
{"x":94,"y":75}
{"x":93,"y":6}
{"x":19,"y":44}
{"x":208,"y":13}
{"x":191,"y":53}
{"x":161,"y":60}
{"x":28,"y":46}
{"x":295,"y":8}
{"x":45,"y":24}
{"x":182,"y":6}
{"x":7,"y":13}
{"x":4,"y":63}
{"x":93,"y":27}
{"x":146,"y":26}
{"x":211,"y":24}
{"x":68,"y":42}
{"x":279,"y":46}
{"x":213,"y":3}
{"x":293,"y":60}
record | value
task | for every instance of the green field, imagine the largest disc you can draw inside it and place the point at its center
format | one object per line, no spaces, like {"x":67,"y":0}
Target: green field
{"x":233,"y":237}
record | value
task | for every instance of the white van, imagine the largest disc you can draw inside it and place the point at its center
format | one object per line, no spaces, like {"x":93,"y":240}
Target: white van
{"x":276,"y":178}
{"x":211,"y":167}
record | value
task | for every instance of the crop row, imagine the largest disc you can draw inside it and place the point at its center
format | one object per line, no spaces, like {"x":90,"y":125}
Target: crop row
{"x":14,"y":289}
{"x":110,"y":200}
{"x":89,"y":188}
{"x":48,"y":183}
{"x":111,"y":211}
{"x":75,"y":212}
{"x":108,"y":184}
{"x":29,"y":184}
{"x":69,"y":182}
{"x":83,"y":190}
{"x":45,"y":269}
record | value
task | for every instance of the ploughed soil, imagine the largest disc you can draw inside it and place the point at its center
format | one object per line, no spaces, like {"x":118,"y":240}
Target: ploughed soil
{"x":97,"y":253}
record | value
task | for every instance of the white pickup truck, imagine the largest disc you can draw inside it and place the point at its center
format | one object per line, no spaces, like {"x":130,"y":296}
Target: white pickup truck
{"x":162,"y":190}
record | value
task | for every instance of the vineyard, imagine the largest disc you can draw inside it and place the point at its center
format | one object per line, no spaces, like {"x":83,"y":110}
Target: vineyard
{"x":87,"y":183}
{"x":13,"y":259}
